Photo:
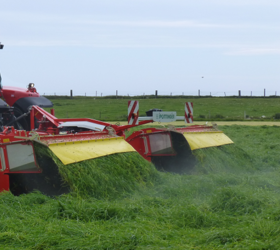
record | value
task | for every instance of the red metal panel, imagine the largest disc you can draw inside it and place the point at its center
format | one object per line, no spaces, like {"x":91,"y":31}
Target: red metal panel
{"x":12,"y":94}
{"x":137,"y":140}
{"x":4,"y":182}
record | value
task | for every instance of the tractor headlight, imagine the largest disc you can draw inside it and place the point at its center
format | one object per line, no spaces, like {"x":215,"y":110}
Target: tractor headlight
{"x":31,"y":85}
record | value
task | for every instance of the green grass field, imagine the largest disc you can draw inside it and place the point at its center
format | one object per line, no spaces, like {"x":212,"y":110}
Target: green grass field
{"x":205,"y":109}
{"x":230,"y":201}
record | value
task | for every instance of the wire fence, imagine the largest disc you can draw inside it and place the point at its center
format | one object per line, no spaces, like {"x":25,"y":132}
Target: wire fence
{"x":198,"y":93}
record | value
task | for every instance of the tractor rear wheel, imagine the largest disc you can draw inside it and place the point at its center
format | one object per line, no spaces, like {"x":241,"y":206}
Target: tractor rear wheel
{"x":23,"y":123}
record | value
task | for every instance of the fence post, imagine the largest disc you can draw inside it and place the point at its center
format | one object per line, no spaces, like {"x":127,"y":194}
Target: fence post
{"x":199,"y":92}
{"x":156,"y":93}
{"x":239,"y":93}
{"x":264,"y":92}
{"x":116,"y":93}
{"x":71,"y":93}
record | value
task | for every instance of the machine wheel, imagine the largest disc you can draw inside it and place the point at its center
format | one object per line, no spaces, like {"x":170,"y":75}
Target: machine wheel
{"x":23,"y":123}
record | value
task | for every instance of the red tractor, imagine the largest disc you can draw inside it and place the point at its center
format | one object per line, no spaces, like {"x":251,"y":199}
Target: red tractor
{"x":24,"y":125}
{"x":21,"y":100}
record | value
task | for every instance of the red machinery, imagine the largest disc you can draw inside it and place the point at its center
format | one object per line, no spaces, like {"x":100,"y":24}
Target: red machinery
{"x":75,"y":140}
{"x":170,"y":149}
{"x":71,"y":140}
{"x":22,"y":99}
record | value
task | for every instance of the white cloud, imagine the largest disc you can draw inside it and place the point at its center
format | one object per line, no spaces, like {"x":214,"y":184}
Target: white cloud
{"x":244,"y":2}
{"x":35,"y":19}
{"x":254,"y":52}
{"x":158,"y":24}
{"x":27,"y":28}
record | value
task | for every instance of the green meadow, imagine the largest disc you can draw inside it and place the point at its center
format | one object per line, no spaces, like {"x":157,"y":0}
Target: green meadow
{"x":230,"y":200}
{"x":205,"y":108}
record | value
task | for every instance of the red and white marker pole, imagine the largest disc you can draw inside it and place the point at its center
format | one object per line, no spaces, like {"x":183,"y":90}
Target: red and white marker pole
{"x":133,"y":112}
{"x":189,"y":112}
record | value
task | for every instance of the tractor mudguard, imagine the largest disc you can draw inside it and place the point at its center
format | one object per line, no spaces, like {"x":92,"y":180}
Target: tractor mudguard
{"x":3,"y":105}
{"x":25,"y":102}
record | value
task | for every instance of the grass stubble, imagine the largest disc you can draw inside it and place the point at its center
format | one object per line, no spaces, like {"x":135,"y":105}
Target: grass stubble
{"x":231,"y":200}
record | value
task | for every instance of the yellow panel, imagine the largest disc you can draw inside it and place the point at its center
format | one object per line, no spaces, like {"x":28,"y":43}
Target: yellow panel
{"x":199,"y":140}
{"x":71,"y":152}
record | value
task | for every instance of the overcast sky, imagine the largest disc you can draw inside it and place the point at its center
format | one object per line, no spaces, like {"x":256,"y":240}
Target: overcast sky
{"x":139,"y":46}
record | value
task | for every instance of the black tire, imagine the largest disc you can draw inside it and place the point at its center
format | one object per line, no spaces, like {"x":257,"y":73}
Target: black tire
{"x":23,"y":123}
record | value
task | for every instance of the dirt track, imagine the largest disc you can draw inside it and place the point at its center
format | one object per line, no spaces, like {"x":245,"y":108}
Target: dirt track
{"x":247,"y":123}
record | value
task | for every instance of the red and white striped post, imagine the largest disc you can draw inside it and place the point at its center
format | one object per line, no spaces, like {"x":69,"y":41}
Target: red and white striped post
{"x":189,"y":112}
{"x":133,"y":112}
